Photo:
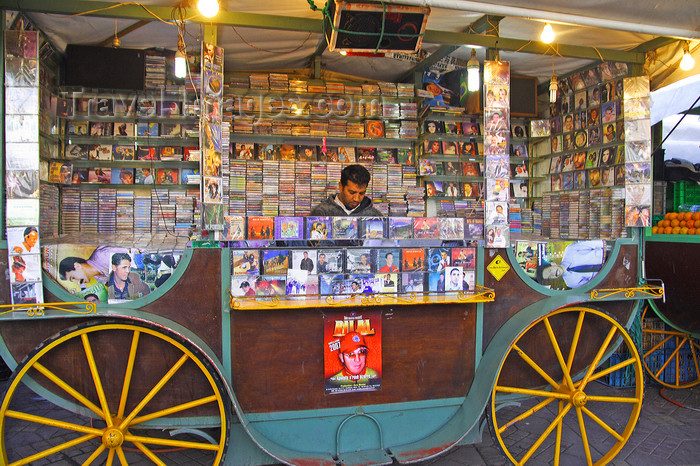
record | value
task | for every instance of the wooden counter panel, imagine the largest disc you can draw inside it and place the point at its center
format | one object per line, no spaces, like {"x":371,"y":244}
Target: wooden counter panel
{"x":427,"y":352}
{"x":195,"y":300}
{"x":676,"y":265}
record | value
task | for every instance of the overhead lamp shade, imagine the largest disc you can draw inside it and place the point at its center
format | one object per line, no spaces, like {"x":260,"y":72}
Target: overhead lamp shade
{"x":687,"y":62}
{"x":473,"y":73}
{"x":553,"y":88}
{"x":180,"y":65}
{"x":547,"y":35}
{"x":208,"y":8}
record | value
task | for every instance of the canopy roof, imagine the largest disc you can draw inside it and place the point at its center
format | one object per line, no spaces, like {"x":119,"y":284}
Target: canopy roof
{"x":287,"y":34}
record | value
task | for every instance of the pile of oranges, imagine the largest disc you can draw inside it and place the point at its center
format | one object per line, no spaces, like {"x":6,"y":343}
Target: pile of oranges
{"x":678,"y":223}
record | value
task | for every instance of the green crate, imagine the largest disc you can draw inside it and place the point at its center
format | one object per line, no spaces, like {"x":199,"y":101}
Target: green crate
{"x":685,"y":192}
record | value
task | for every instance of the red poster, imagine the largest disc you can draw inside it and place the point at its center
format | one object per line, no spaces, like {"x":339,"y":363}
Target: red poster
{"x":352,"y":351}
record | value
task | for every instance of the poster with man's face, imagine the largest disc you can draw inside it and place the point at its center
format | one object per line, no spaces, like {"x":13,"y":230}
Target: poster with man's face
{"x":352,"y":352}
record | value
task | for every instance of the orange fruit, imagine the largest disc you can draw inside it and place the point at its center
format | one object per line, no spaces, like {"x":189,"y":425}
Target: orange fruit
{"x":697,"y":231}
{"x":676,"y":230}
{"x":697,"y":224}
{"x":667,"y":223}
{"x":660,"y":223}
{"x":684,"y":231}
{"x":675,"y":222}
{"x":696,"y":215}
{"x":667,"y":216}
{"x":691,"y":231}
{"x":674,"y":215}
{"x":682,"y":224}
{"x":688,"y":216}
{"x":654,"y":230}
{"x":668,"y":230}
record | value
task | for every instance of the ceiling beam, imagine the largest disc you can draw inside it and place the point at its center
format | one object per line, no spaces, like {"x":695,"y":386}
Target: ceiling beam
{"x":123,"y":32}
{"x":72,"y":7}
{"x":654,"y":44}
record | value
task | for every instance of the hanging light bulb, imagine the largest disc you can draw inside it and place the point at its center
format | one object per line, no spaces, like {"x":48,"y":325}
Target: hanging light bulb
{"x":553,"y":88}
{"x":208,"y":8}
{"x":473,"y":73}
{"x":547,"y":35}
{"x":687,"y":62}
{"x":180,"y":59}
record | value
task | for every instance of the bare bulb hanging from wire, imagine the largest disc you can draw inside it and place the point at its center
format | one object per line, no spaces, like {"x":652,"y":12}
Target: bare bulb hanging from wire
{"x":687,"y":62}
{"x":547,"y":35}
{"x":208,"y":8}
{"x":180,"y":59}
{"x":473,"y":73}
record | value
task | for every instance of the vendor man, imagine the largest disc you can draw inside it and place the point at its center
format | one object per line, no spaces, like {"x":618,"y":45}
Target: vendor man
{"x":351,"y":199}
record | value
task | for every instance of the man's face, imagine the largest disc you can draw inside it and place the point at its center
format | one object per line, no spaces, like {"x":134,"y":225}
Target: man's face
{"x":389,"y":259}
{"x":364,"y":259}
{"x":77,"y":275}
{"x":454,"y":276}
{"x":552,"y":272}
{"x":306,"y":255}
{"x":245,"y":288}
{"x":122,"y":270}
{"x":321,"y":258}
{"x":31,"y":238}
{"x":356,"y":361}
{"x":355,"y":286}
{"x":351,"y":194}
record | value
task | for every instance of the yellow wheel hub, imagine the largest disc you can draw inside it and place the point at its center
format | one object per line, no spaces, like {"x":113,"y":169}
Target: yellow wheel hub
{"x":112,"y":438}
{"x":578,"y":398}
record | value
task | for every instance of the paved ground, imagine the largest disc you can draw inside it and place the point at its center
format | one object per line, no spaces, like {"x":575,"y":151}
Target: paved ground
{"x":666,"y":434}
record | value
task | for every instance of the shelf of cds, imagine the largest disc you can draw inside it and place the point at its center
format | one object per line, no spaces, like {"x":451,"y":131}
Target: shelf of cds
{"x":580,"y":157}
{"x":276,"y":105}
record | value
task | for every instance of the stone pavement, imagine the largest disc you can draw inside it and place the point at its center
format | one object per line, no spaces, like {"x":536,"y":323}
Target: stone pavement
{"x":666,"y":434}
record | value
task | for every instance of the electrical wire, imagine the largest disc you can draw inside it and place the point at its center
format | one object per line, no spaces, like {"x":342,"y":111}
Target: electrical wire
{"x":270,"y":51}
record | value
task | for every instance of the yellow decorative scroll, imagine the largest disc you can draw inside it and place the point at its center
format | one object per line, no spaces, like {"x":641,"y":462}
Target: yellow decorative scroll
{"x":37,"y":310}
{"x":479,"y":295}
{"x":645,"y":291}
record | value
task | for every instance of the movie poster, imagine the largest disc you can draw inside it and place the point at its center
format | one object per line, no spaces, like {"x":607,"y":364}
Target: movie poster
{"x":352,"y":352}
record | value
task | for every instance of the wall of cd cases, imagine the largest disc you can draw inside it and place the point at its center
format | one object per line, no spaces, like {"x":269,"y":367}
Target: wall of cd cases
{"x":581,"y":157}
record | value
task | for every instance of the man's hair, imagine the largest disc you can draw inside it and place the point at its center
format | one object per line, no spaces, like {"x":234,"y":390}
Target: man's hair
{"x":68,"y":265}
{"x":389,"y":254}
{"x":355,"y":173}
{"x":28,"y":230}
{"x":118,"y":257}
{"x":454,"y":270}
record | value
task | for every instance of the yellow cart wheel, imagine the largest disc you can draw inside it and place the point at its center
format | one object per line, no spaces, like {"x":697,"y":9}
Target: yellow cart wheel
{"x":544,"y":407}
{"x":114,"y":390}
{"x":675,"y":367}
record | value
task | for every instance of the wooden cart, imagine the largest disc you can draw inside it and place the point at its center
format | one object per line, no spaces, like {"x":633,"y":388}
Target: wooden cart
{"x":240,"y":382}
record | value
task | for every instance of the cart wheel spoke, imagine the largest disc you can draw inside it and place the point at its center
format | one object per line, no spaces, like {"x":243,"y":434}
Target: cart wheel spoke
{"x":526,"y":414}
{"x":602,"y":424}
{"x":96,"y":378}
{"x":670,"y":366}
{"x":519,"y":393}
{"x":557,"y":443}
{"x":557,"y":353}
{"x":535,"y":366}
{"x":68,"y":389}
{"x":146,"y":451}
{"x":170,"y":442}
{"x":129,"y":373}
{"x":54,"y":450}
{"x":556,"y":422}
{"x":169,"y":392}
{"x":176,"y":367}
{"x":584,"y":436}
{"x":94,"y":455}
